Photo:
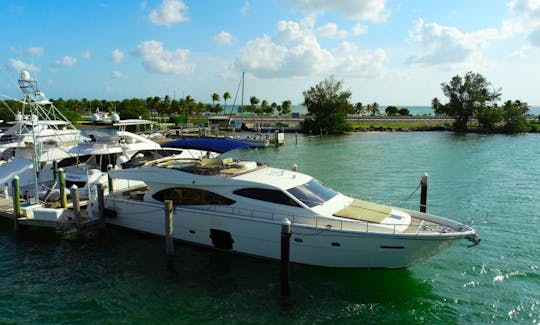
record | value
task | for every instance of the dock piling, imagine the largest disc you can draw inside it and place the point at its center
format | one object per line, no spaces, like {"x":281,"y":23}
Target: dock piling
{"x":76,"y":206}
{"x":109,"y":178}
{"x":169,"y":244}
{"x":285,"y":256}
{"x":6,"y":191}
{"x":423,"y":192}
{"x":101,"y":204}
{"x":16,"y":202}
{"x":62,"y":182}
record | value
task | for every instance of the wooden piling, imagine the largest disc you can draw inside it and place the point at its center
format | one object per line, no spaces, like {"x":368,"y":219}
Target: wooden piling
{"x":62,"y":182}
{"x":169,"y":244}
{"x":423,"y":192}
{"x":109,"y":178}
{"x":285,"y":256}
{"x":296,"y":137}
{"x":16,"y":202}
{"x":101,"y":204}
{"x":76,"y":206}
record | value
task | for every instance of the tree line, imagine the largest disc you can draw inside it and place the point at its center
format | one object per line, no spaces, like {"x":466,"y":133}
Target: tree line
{"x":469,"y":98}
{"x":156,"y":106}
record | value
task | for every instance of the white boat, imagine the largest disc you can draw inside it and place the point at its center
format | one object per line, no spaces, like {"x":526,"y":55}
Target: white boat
{"x":40,"y":135}
{"x":39,"y":123}
{"x":239,"y":206}
{"x":89,"y":162}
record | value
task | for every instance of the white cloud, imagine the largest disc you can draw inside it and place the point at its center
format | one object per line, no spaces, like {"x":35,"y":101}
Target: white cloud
{"x":117,"y":56}
{"x":15,"y":50}
{"x":19,"y":66}
{"x":526,"y":19}
{"x":369,"y":10}
{"x":359,"y":29}
{"x":331,"y":30}
{"x":170,"y":12}
{"x":118,"y":75}
{"x":295,"y":51}
{"x":35,"y":51}
{"x":157,"y":59}
{"x":244,"y":10}
{"x":223,"y":38}
{"x":443,"y":45}
{"x":66,"y":61}
{"x":86,"y":54}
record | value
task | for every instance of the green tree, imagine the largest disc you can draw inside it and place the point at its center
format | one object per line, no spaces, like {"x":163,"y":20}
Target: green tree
{"x":404,"y":112}
{"x":226,"y":96}
{"x":515,"y":116}
{"x":374,"y":109}
{"x":467,"y":97}
{"x":275,"y":107}
{"x":215,"y":98}
{"x":266,"y":109}
{"x":328,"y":104}
{"x":253,"y":101}
{"x":359,"y":109}
{"x":489,"y":117}
{"x":391,"y":110}
{"x":286,"y":107}
{"x":165,"y":105}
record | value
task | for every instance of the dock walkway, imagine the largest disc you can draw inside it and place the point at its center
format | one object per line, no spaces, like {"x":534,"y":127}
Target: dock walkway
{"x":51,"y":218}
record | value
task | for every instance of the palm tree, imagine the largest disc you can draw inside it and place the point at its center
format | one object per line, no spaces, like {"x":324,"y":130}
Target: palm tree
{"x":226,"y":96}
{"x":215,"y":98}
{"x":253,"y":101}
{"x":286,"y":107}
{"x":359,"y":109}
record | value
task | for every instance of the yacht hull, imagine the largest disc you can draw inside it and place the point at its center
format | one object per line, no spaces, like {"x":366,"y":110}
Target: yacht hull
{"x":261,"y":237}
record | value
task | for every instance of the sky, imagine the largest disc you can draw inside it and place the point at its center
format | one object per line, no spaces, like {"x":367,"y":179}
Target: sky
{"x":392,"y":52}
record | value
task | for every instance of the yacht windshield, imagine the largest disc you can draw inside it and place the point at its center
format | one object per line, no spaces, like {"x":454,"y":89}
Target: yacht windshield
{"x":312,"y":193}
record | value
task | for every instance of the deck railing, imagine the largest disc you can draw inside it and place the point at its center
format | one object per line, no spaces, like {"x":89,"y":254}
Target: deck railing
{"x":415,"y":227}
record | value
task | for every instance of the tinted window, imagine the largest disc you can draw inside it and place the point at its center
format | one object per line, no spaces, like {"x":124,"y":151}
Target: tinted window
{"x":312,"y":193}
{"x":268,"y":195}
{"x":191,"y":196}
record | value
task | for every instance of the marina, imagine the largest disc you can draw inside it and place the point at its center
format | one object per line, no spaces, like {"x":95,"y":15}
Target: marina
{"x":209,"y":285}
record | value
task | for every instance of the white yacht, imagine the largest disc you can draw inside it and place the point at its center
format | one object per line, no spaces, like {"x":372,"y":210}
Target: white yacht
{"x":40,"y":135}
{"x":239,"y":206}
{"x":89,"y":162}
{"x":39,"y":123}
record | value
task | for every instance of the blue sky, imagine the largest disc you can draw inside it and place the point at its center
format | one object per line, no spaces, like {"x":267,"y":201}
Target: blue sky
{"x":391,"y":52}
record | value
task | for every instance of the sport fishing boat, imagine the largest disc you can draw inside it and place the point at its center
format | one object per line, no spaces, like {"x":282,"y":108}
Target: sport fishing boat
{"x":40,"y":135}
{"x":38,"y":124}
{"x":239,"y":206}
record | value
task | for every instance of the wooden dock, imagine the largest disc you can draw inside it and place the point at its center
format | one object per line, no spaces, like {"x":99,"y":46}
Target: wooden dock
{"x":38,"y":216}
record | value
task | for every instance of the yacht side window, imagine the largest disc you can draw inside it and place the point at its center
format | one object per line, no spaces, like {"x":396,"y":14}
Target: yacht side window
{"x":191,"y":196}
{"x":312,"y":193}
{"x":268,"y":195}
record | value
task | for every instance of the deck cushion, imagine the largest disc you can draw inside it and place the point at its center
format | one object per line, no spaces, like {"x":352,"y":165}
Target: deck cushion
{"x":365,"y":211}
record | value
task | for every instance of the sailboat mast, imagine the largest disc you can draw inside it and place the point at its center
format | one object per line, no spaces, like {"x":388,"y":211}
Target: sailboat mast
{"x":242,"y":103}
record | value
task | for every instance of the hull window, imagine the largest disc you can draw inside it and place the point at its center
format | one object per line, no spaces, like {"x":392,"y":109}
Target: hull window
{"x":221,"y":239}
{"x":191,"y":196}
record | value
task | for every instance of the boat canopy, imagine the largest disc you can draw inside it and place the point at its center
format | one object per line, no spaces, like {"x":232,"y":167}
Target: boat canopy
{"x":219,"y":145}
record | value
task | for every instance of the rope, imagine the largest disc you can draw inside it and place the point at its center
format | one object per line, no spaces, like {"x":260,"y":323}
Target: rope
{"x":408,"y":197}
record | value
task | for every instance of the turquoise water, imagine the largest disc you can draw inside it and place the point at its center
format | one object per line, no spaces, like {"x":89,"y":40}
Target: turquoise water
{"x":492,"y":182}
